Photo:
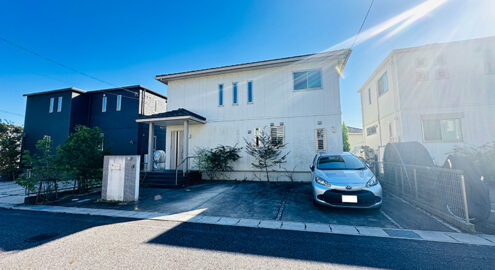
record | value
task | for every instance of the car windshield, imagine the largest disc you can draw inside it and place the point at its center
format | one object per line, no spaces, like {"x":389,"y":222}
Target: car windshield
{"x":340,"y":162}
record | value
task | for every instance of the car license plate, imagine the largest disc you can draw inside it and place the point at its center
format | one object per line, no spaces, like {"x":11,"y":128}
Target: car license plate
{"x":349,"y":198}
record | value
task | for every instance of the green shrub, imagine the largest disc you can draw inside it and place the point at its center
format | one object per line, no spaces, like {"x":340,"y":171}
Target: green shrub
{"x":216,"y":161}
{"x":482,"y":157}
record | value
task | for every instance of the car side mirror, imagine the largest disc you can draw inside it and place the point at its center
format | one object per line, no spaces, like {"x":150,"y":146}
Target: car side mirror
{"x":312,"y":167}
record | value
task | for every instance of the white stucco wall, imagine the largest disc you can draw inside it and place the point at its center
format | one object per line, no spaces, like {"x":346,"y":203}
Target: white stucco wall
{"x":356,"y":140}
{"x":467,"y":92}
{"x":274,"y":101}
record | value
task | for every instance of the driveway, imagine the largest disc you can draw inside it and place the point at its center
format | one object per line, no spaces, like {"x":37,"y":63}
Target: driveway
{"x":12,"y":193}
{"x":261,"y":200}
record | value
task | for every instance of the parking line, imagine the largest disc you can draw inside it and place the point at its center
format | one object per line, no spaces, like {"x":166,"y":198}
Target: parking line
{"x":391,"y":220}
{"x":428,"y":214}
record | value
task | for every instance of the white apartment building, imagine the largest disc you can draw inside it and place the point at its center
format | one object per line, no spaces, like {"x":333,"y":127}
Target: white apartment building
{"x":441,"y":95}
{"x":295,"y":99}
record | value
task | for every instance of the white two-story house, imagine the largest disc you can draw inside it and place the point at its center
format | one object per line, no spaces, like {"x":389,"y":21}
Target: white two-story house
{"x":441,"y":95}
{"x":296,"y":100}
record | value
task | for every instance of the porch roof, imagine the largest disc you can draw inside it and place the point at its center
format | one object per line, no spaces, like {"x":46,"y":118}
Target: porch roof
{"x":175,"y":117}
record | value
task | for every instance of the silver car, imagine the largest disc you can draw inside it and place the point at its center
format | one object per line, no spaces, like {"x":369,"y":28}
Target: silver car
{"x":343,"y":180}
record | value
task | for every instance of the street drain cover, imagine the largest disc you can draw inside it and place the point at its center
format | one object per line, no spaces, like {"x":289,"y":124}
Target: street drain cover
{"x":41,"y":237}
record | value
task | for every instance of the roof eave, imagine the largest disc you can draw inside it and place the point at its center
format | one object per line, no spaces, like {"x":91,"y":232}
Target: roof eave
{"x":165,"y":78}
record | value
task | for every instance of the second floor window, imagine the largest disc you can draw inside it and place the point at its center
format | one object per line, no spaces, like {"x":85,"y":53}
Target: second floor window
{"x":234,"y":93}
{"x":383,"y":84}
{"x":59,"y":104}
{"x":310,"y":79}
{"x":52,"y":101}
{"x":119,"y":103}
{"x":250,"y":92}
{"x":104,"y":104}
{"x":220,"y":95}
{"x":371,"y":130}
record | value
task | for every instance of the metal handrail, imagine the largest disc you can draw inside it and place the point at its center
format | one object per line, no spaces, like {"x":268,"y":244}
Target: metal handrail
{"x":183,"y":171}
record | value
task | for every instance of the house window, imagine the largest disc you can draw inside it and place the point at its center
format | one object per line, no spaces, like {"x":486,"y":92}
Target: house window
{"x":220,"y":95}
{"x":369,"y":96}
{"x":277,"y":135}
{"x":321,"y":140}
{"x":383,"y":84}
{"x":257,"y":134}
{"x":52,"y":100}
{"x":442,"y":130}
{"x":250,"y":92}
{"x":234,"y":93}
{"x":102,"y":142}
{"x":104,"y":104}
{"x":119,"y":103}
{"x":307,"y":79}
{"x":59,"y":104}
{"x":371,"y":130}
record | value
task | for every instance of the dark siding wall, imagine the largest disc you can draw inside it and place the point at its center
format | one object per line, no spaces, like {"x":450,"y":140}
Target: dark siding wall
{"x":160,"y":134}
{"x":119,"y":127}
{"x":79,"y":113}
{"x":39,"y":122}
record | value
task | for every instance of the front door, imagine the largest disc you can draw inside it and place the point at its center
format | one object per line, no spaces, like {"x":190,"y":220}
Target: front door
{"x":177,"y":149}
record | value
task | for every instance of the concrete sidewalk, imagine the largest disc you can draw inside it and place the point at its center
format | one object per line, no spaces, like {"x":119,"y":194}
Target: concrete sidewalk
{"x":194,"y":217}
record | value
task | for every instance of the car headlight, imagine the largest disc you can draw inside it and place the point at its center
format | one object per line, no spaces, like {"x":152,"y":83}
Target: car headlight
{"x":322,"y":181}
{"x":372,"y":182}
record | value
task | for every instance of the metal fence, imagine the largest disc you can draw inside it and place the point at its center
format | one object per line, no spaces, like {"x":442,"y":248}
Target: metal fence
{"x":437,"y":190}
{"x":53,"y":187}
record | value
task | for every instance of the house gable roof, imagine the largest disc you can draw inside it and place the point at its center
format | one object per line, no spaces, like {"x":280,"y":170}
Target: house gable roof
{"x":175,"y":113}
{"x":70,"y":89}
{"x":165,"y":78}
{"x":76,"y":90}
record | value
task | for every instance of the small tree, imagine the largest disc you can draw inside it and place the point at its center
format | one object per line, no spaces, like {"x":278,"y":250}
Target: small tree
{"x":217,"y":160}
{"x":82,"y":156}
{"x":345,"y":138}
{"x":41,"y":169}
{"x":10,"y":150}
{"x":266,"y":154}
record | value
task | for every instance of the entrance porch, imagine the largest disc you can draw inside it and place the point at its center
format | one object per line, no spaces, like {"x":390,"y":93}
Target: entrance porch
{"x":177,"y":141}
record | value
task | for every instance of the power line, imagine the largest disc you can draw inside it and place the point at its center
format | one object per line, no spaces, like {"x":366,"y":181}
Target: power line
{"x":18,"y":46}
{"x":12,"y":113}
{"x":362,"y":24}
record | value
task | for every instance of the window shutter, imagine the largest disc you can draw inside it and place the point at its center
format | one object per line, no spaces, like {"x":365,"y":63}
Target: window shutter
{"x":321,"y":140}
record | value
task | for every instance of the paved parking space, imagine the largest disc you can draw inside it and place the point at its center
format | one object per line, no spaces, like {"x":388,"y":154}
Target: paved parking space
{"x":267,"y":201}
{"x":12,"y":193}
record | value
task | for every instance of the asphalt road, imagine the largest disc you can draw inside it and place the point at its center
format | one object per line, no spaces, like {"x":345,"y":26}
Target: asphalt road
{"x":36,"y":240}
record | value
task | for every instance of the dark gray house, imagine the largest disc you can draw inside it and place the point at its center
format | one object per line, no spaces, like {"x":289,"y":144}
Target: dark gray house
{"x":56,"y":113}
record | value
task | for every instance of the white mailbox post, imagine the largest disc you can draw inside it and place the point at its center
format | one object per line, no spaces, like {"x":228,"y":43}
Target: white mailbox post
{"x":120,"y":178}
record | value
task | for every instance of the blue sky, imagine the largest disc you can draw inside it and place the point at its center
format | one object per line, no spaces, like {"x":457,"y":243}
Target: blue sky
{"x":129,"y":42}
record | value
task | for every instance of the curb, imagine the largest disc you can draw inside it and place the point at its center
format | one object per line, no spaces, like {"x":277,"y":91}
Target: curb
{"x":435,"y":236}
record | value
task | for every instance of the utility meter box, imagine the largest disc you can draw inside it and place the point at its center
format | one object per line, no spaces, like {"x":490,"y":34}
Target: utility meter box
{"x":120,"y":178}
